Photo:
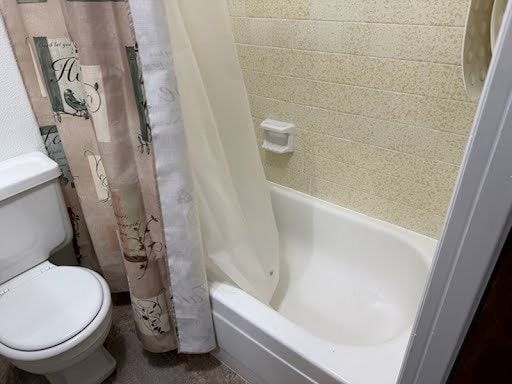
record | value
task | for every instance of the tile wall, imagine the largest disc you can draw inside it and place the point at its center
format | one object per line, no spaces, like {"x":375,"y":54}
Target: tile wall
{"x":375,"y":89}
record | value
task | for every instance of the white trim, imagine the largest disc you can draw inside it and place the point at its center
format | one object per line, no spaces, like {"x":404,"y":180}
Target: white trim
{"x":477,"y":224}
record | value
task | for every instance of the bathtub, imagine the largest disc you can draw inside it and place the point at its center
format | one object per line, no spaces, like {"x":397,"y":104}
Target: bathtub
{"x":349,"y":289}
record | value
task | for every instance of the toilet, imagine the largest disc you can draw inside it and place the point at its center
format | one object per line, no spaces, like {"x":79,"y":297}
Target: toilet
{"x":53,"y":319}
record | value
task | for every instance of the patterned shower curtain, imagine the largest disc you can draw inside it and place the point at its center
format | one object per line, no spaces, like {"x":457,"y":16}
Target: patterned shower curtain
{"x":81,"y":67}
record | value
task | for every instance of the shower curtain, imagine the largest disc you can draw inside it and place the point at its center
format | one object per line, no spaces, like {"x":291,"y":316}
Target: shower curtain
{"x":234,"y":204}
{"x":160,"y":168}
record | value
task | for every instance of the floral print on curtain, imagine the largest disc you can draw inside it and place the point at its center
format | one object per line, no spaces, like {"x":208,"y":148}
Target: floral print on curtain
{"x":79,"y":62}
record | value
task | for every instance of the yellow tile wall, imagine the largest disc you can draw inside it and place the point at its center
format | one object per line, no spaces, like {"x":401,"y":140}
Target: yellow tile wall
{"x":375,"y":88}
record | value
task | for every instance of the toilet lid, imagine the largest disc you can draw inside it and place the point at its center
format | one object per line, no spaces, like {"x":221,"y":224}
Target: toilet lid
{"x":49,"y":309}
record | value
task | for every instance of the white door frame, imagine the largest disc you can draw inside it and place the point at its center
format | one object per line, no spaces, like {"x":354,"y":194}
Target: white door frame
{"x":477,"y":224}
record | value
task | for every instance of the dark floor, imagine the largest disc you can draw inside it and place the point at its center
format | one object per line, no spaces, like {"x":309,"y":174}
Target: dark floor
{"x":135,"y":366}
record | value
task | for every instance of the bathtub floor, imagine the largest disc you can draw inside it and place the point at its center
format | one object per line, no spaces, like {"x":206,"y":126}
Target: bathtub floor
{"x":136,"y":366}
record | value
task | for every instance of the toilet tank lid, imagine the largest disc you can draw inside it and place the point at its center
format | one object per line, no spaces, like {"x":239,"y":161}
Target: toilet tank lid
{"x":26,"y":171}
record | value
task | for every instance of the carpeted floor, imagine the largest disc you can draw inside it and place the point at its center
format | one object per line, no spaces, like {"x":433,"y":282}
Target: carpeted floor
{"x":135,"y":366}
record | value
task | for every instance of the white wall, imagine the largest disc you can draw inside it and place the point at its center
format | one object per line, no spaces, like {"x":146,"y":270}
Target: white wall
{"x":19,"y":132}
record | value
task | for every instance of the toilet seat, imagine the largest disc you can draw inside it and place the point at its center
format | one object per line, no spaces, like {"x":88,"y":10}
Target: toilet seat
{"x":49,"y":308}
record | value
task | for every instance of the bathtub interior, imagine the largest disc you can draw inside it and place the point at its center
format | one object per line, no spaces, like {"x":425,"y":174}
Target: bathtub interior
{"x":345,"y":278}
{"x":349,"y":289}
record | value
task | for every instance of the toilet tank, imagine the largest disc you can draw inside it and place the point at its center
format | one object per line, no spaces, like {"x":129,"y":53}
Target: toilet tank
{"x":33,"y":217}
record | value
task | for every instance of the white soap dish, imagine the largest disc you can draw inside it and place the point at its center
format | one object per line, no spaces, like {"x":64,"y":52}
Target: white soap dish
{"x":279,"y":136}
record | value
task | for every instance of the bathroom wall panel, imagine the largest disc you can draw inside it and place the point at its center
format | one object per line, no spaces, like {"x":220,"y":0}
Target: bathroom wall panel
{"x":425,"y":12}
{"x":19,"y":132}
{"x":376,"y":91}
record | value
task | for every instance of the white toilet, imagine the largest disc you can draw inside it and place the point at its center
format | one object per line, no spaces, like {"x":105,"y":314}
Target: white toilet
{"x":53,"y":320}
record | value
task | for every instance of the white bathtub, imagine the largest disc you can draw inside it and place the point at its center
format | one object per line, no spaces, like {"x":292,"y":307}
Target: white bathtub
{"x":349,"y":289}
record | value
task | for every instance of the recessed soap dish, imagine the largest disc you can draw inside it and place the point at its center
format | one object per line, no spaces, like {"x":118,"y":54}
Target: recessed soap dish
{"x":279,"y":136}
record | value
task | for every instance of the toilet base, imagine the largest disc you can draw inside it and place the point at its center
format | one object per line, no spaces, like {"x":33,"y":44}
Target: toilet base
{"x":93,"y":370}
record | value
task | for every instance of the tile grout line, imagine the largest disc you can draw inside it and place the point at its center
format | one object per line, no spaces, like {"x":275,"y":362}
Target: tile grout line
{"x":375,"y":146}
{"x":311,"y":19}
{"x":370,"y":170}
{"x":311,"y":178}
{"x":355,"y":114}
{"x":378,"y":197}
{"x":293,"y":48}
{"x":467,"y":103}
{"x":358,"y":169}
{"x":352,"y":114}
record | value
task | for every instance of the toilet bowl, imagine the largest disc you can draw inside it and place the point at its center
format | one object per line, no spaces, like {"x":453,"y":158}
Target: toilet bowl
{"x":53,"y":319}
